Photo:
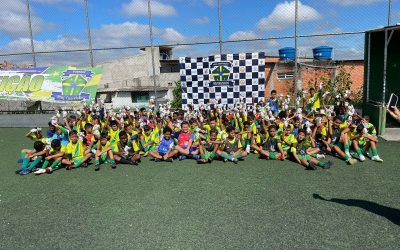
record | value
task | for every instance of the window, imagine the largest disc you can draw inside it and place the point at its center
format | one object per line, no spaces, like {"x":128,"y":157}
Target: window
{"x":140,"y":97}
{"x":285,"y":75}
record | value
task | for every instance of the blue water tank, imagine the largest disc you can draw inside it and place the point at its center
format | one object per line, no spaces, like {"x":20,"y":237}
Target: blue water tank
{"x":322,"y":53}
{"x":287,"y":54}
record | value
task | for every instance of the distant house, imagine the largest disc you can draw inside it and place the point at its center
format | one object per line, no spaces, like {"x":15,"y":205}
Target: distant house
{"x":279,"y":75}
{"x":129,"y":82}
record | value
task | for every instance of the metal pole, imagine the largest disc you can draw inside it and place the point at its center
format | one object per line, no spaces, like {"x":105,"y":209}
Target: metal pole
{"x":152,"y":51}
{"x":220,"y":26}
{"x":385,"y":68}
{"x":369,"y":65}
{"x":390,"y":13}
{"x":296,"y":20}
{"x":88,"y":34}
{"x":30,"y":33}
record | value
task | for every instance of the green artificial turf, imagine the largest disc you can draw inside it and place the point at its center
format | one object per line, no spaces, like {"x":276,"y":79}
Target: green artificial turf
{"x":255,"y":204}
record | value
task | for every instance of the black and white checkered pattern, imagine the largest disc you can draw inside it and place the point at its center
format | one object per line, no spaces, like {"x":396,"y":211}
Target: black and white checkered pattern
{"x":248,"y":77}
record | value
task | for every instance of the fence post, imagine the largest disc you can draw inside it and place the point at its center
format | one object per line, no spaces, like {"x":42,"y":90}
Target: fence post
{"x":152,"y":52}
{"x":297,"y":86}
{"x":28,"y":9}
{"x":219,"y":27}
{"x":88,"y":34}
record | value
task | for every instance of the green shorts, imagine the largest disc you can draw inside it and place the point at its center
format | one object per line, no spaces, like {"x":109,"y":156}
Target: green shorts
{"x":273,"y":155}
{"x":340,"y":145}
{"x":305,"y":156}
{"x":208,"y":155}
{"x":77,"y":159}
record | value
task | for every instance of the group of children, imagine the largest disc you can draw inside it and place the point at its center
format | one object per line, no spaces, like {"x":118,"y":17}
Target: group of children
{"x":270,"y":130}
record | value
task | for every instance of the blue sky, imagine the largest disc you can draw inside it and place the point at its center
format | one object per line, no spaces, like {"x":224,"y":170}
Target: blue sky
{"x":60,"y":25}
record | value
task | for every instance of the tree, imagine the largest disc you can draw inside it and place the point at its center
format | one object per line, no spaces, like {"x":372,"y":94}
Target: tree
{"x":177,"y":92}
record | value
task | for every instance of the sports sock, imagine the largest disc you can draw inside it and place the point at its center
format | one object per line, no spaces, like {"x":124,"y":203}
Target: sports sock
{"x":97,"y":162}
{"x":321,"y":164}
{"x":347,"y":148}
{"x":25,"y":162}
{"x":45,"y":164}
{"x":226,"y":156}
{"x":358,"y":150}
{"x":374,"y":152}
{"x":55,"y":164}
{"x":23,"y":155}
{"x":35,"y":163}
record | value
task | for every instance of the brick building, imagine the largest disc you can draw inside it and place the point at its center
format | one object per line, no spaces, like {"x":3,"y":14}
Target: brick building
{"x":279,"y":75}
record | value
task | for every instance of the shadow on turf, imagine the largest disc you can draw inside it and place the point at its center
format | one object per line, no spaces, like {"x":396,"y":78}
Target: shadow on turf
{"x":389,"y":213}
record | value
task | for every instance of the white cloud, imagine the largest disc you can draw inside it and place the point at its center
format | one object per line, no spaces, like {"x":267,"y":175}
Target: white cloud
{"x":356,"y":2}
{"x":140,"y":8}
{"x":170,"y":35}
{"x":201,"y":20}
{"x":14,"y":20}
{"x":243,"y":35}
{"x":283,"y":16}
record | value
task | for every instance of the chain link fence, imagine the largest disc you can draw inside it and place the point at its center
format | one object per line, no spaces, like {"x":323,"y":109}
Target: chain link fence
{"x":84,"y":33}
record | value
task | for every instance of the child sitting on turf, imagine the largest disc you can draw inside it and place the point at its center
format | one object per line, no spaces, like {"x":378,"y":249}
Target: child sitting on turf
{"x":34,"y":157}
{"x":302,"y":153}
{"x":269,"y":145}
{"x":185,"y":142}
{"x":166,"y":146}
{"x":104,"y":152}
{"x":35,"y":134}
{"x":208,"y":149}
{"x":148,"y":140}
{"x":362,"y":142}
{"x":76,"y":152}
{"x":113,"y":134}
{"x":232,"y":148}
{"x":339,"y":141}
{"x":127,"y":150}
{"x":54,"y":157}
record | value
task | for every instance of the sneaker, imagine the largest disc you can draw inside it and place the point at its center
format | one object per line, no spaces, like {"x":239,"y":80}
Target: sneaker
{"x":157,"y":160}
{"x":69,"y":167}
{"x":182,"y":157}
{"x":40,"y":171}
{"x":320,"y":156}
{"x":361,"y":157}
{"x":311,"y":166}
{"x":152,"y":159}
{"x":97,"y":168}
{"x":18,"y":170}
{"x":135,"y":163}
{"x":169,"y":160}
{"x":225,"y":160}
{"x":234,"y":160}
{"x":351,"y":161}
{"x":196,"y":157}
{"x":24,"y":171}
{"x":376,"y":158}
{"x":20,"y":161}
{"x":49,"y":170}
{"x":113,"y":166}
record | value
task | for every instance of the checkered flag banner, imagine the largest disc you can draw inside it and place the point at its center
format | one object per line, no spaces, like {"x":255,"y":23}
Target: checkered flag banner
{"x":222,"y":79}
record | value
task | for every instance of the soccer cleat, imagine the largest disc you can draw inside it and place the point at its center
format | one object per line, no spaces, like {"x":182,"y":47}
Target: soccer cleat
{"x":24,"y":171}
{"x":40,"y":171}
{"x":97,"y":168}
{"x":20,"y":161}
{"x":182,"y":157}
{"x":311,"y":166}
{"x":376,"y":158}
{"x":196,"y":157}
{"x":135,"y":163}
{"x":157,"y":160}
{"x":234,"y":160}
{"x":113,"y":166}
{"x":169,"y":160}
{"x":361,"y":157}
{"x":351,"y":161}
{"x":49,"y":170}
{"x":320,"y":156}
{"x":225,"y":160}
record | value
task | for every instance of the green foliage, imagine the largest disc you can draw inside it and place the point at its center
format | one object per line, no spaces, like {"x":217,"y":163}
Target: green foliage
{"x":177,"y":101}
